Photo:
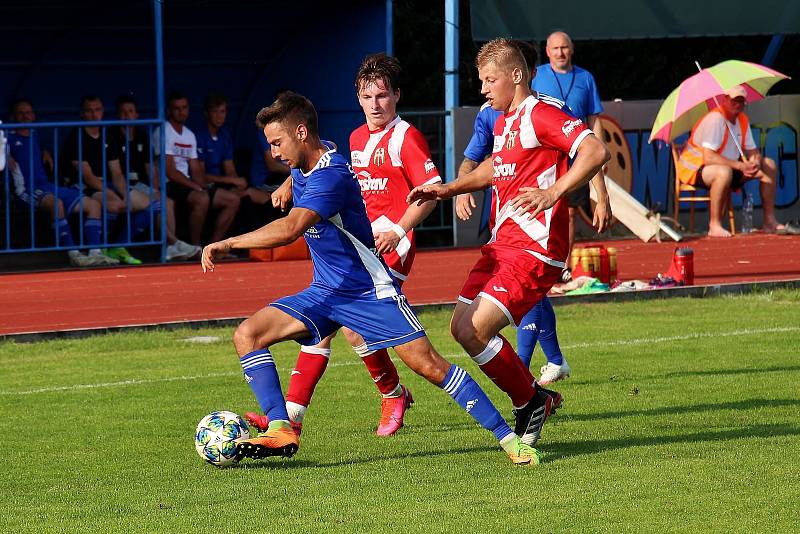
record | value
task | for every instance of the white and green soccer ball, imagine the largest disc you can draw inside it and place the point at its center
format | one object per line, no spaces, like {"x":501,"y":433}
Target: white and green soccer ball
{"x":216,"y":437}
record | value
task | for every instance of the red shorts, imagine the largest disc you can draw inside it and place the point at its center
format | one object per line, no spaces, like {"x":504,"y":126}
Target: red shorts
{"x":512,"y":279}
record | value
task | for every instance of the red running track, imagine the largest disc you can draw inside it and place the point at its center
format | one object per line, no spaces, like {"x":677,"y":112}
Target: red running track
{"x":126,"y":296}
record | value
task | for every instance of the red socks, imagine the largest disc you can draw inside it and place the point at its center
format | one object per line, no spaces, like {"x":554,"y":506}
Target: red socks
{"x":499,"y":361}
{"x":311,"y":364}
{"x":381,"y":369}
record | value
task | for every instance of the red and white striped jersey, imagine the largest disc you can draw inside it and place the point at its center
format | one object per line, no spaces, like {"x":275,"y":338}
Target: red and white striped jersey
{"x":532,"y":145}
{"x":389,"y":163}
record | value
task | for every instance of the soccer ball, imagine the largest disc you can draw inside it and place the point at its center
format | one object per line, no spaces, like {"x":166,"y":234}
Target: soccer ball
{"x":216,"y":436}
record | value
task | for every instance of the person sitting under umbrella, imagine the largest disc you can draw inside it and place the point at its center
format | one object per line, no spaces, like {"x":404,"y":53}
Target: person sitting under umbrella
{"x":721,"y":157}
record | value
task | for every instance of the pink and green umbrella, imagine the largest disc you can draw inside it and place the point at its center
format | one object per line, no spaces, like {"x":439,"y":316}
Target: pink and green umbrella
{"x":695,"y":95}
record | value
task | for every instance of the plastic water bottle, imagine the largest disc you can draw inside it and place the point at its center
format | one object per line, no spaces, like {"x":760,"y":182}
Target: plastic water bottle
{"x":747,"y":214}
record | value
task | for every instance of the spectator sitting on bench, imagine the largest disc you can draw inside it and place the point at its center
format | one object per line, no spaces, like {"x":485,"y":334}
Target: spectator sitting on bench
{"x":187,"y":184}
{"x":215,"y":150}
{"x":32,"y":186}
{"x":87,"y":158}
{"x":134,"y":144}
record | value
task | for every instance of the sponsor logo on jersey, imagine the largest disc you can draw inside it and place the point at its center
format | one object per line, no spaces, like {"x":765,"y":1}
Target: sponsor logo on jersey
{"x":372,"y":184}
{"x":569,"y":127}
{"x":500,"y":289}
{"x":312,"y":232}
{"x":529,"y":326}
{"x":379,"y":156}
{"x":429,"y":166}
{"x":512,"y":139}
{"x":503,"y":170}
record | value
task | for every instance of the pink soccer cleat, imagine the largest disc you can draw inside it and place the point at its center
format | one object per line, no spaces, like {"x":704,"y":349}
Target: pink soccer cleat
{"x":392,"y":411}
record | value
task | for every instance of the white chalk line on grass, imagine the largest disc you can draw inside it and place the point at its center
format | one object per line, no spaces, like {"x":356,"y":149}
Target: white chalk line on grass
{"x":620,"y":342}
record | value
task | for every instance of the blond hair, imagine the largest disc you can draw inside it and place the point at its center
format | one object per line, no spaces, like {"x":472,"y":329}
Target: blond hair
{"x":503,"y":53}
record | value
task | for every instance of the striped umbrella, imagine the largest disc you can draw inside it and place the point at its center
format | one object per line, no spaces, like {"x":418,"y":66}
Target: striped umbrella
{"x":695,"y":95}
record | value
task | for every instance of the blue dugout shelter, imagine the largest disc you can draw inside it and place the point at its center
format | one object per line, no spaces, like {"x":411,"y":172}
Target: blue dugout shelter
{"x":56,"y":52}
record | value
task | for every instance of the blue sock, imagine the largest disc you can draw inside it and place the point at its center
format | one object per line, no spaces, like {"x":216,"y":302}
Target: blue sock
{"x":262,"y":377}
{"x":539,"y":324}
{"x":114,"y":231}
{"x":64,"y":233}
{"x":140,"y":222}
{"x":548,"y":338}
{"x":469,"y":395}
{"x":528,"y":334}
{"x":92,"y":230}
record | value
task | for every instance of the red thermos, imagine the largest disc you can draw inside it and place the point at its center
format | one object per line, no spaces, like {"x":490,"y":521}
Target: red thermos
{"x":684,"y":262}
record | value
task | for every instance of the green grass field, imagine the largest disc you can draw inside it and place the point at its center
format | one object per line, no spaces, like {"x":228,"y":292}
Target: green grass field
{"x":681,"y":415}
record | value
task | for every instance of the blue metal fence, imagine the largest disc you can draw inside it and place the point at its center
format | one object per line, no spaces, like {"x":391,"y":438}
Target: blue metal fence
{"x":20,"y":210}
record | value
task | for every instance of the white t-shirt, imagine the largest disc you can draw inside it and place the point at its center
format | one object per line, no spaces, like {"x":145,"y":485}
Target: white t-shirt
{"x":711,"y":131}
{"x":182,"y":146}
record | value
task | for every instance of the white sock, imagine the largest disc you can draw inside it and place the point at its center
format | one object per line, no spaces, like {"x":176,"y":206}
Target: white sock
{"x":296,"y":411}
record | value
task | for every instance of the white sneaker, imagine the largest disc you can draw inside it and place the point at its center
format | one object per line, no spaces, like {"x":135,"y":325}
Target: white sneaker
{"x":101,"y":259}
{"x":551,"y":372}
{"x":189,"y":250}
{"x":174,"y":253}
{"x":78,"y":259}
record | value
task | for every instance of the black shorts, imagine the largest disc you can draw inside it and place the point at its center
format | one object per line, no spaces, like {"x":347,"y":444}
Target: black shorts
{"x":179,"y":193}
{"x":579,"y":198}
{"x":736,"y":181}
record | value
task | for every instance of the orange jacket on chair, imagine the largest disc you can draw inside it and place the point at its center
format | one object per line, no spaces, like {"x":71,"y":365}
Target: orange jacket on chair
{"x":692,"y":155}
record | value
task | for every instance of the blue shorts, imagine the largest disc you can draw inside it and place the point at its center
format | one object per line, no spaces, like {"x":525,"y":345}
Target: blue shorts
{"x":69,"y":196}
{"x":383,"y":323}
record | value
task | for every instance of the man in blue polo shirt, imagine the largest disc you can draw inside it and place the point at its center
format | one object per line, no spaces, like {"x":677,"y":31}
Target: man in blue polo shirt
{"x":575,"y":86}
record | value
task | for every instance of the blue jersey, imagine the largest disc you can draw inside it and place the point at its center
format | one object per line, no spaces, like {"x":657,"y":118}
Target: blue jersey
{"x":576,"y":88}
{"x":341,"y":243}
{"x":482,"y":140}
{"x":20,"y":148}
{"x":213,"y":151}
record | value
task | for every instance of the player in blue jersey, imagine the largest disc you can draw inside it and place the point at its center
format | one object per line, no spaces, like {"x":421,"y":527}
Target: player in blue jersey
{"x":538,"y":325}
{"x":352,"y":286}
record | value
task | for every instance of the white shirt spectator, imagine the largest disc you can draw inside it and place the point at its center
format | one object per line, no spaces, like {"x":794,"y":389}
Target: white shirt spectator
{"x":711,"y":131}
{"x":182,"y":146}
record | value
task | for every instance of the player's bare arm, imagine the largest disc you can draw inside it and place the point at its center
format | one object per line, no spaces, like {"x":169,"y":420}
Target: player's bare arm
{"x":476,"y":180}
{"x":465,"y":203}
{"x":279,"y":232}
{"x":283,"y":195}
{"x":117,"y":178}
{"x":602,"y":210}
{"x":591,"y":155}
{"x":174,"y":175}
{"x":386,"y":242}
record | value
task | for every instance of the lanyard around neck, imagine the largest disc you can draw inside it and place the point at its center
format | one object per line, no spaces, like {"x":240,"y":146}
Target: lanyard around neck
{"x":561,"y":89}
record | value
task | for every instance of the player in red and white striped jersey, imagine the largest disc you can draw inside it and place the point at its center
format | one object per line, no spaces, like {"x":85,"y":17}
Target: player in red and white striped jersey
{"x":390,"y":158}
{"x":529,"y":175}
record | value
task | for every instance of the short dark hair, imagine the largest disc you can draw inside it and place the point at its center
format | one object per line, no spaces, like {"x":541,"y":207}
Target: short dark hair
{"x":379,"y":67}
{"x":528,"y":52}
{"x":214,"y":100}
{"x":19,"y":101}
{"x":90,"y":98}
{"x":290,"y":109}
{"x":125,"y":99}
{"x":175,"y":95}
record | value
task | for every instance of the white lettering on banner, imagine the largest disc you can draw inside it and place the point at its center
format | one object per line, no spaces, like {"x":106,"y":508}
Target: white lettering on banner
{"x":503,"y":169}
{"x":569,"y":127}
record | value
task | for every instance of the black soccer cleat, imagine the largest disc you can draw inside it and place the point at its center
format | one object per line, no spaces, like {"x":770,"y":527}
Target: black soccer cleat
{"x":530,"y":418}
